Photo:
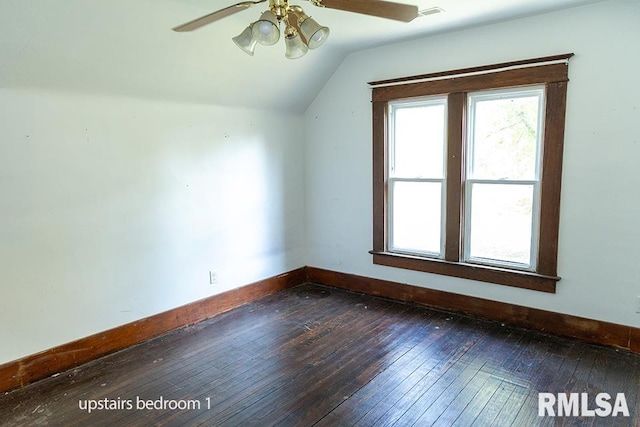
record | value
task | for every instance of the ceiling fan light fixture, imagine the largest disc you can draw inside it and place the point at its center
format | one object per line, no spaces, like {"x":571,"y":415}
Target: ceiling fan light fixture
{"x":314,"y":33}
{"x":245,"y":41}
{"x":266,"y":30}
{"x":301,"y":32}
{"x":295,"y":46}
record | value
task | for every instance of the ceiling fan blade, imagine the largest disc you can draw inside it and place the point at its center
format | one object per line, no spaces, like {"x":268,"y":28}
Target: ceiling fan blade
{"x":219,"y":14}
{"x":382,"y":9}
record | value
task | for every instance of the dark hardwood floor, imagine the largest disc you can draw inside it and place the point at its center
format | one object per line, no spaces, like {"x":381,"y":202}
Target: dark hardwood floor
{"x":312,"y":355}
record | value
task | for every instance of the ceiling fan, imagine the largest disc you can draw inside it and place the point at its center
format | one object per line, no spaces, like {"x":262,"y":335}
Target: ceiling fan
{"x":301,"y":32}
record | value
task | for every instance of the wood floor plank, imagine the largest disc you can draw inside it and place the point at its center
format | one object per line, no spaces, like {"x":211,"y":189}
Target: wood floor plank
{"x":552,"y":379}
{"x":347,"y":348}
{"x":158,"y":384}
{"x":521,"y":374}
{"x":428,"y":408}
{"x":390,"y":399}
{"x":356,"y":371}
{"x":313,"y":355}
{"x":473,"y":398}
{"x":304,"y":354}
{"x":385,"y":383}
{"x":241,"y":391}
{"x":319,"y":347}
{"x":448,"y":407}
{"x":443,"y":372}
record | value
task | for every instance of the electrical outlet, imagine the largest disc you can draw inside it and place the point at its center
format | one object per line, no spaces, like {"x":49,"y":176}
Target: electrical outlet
{"x":638,"y":304}
{"x":213,"y":277}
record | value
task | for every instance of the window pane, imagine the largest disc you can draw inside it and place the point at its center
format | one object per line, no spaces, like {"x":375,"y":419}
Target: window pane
{"x":416,"y":216}
{"x":500,"y":225}
{"x":504,"y":136}
{"x":419,"y":141}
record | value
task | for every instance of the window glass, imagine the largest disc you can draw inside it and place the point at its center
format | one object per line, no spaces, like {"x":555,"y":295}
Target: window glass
{"x":419,"y":132}
{"x":416,"y":216}
{"x":501,"y":223}
{"x":504,"y":135}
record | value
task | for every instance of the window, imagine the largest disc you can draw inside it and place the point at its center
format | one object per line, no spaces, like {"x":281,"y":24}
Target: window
{"x":502,"y":185}
{"x":416,"y":176}
{"x":467,"y":169}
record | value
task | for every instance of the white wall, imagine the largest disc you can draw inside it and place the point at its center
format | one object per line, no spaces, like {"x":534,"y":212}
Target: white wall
{"x":113,"y":209}
{"x":600,"y":208}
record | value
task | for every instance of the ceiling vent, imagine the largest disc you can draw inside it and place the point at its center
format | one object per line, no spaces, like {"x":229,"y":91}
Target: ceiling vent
{"x":430,"y":11}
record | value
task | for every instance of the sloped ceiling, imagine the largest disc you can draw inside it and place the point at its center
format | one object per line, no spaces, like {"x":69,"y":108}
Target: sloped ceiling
{"x":126,"y":47}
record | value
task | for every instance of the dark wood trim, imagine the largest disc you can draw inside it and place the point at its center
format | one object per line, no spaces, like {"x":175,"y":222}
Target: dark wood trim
{"x":380,"y":114}
{"x":551,"y":177}
{"x":554,"y":76}
{"x":41,"y":365}
{"x":543,"y":74}
{"x":566,"y":325}
{"x":456,"y":107}
{"x":634,"y":340}
{"x":483,"y":273}
{"x":474,"y":69}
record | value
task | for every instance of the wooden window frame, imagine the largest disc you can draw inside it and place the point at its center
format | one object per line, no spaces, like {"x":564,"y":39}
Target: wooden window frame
{"x":550,"y":72}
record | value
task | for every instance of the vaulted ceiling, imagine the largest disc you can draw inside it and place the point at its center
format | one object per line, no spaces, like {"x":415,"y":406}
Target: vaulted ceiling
{"x":126,"y":47}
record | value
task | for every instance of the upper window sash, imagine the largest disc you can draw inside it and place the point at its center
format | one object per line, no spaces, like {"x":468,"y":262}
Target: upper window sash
{"x":434,"y":108}
{"x":474,"y":98}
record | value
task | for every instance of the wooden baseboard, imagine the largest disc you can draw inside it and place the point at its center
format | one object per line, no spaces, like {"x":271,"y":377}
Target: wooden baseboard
{"x":67,"y":356}
{"x":588,"y":330}
{"x":41,"y":365}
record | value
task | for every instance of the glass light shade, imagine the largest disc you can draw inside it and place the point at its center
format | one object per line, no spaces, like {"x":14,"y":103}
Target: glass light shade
{"x":245,"y":41}
{"x":314,"y":33}
{"x":265,"y":30}
{"x":295,"y":46}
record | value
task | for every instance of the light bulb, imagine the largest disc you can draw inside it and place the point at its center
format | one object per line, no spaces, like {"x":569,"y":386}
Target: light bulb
{"x":265,"y":28}
{"x":314,"y":33}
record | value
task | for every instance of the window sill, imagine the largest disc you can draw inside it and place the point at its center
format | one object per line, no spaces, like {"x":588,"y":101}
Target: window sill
{"x":500,"y":276}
